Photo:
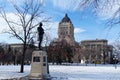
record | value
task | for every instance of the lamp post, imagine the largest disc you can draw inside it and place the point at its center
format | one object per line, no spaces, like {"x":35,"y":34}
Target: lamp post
{"x":115,"y":59}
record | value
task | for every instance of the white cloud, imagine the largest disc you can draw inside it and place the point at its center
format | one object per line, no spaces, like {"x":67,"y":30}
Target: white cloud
{"x":10,"y":17}
{"x":2,"y":25}
{"x":66,"y":5}
{"x":78,"y":30}
{"x":51,"y":29}
{"x":107,"y":10}
{"x":42,"y":1}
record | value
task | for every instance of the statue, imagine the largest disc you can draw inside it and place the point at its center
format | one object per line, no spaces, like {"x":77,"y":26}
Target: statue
{"x":40,"y":35}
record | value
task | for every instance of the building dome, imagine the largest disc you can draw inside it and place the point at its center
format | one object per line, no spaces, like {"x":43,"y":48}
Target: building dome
{"x":65,"y":19}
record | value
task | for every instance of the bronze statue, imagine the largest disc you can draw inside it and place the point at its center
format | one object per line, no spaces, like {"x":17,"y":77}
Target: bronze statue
{"x":40,"y":35}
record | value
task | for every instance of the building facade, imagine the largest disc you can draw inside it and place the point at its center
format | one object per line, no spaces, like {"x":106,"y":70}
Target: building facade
{"x":18,"y":50}
{"x":98,"y":50}
{"x":92,"y":51}
{"x":64,"y":48}
{"x":66,"y":30}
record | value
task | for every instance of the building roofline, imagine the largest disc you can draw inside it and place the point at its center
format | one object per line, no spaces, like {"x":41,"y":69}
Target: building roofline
{"x":94,"y":40}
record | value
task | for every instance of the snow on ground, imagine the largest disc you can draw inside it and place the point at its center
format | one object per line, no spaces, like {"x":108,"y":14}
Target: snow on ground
{"x":58,"y":72}
{"x":85,"y":72}
{"x":11,"y":71}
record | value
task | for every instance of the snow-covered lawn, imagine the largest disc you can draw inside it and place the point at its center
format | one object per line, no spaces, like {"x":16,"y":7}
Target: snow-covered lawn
{"x":11,"y":71}
{"x":101,"y":72}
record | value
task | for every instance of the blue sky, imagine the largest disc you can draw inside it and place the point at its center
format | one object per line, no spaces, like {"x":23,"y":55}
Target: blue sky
{"x":87,"y":24}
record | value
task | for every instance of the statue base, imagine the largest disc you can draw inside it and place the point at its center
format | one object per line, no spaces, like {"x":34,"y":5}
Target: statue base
{"x":39,"y":66}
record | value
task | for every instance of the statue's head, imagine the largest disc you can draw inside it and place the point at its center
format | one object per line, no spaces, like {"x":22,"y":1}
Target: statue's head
{"x":40,"y":24}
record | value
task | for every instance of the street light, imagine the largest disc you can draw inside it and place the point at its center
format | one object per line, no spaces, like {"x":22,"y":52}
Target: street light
{"x":115,"y":58}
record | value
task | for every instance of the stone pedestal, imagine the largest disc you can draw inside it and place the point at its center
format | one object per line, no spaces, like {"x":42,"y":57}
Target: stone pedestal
{"x":39,"y":65}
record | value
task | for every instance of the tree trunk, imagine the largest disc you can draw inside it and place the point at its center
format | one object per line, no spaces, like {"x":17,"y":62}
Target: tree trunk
{"x":22,"y":58}
{"x":104,"y":57}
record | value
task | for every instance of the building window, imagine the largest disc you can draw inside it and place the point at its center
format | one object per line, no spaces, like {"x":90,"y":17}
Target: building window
{"x":44,"y":64}
{"x":44,"y":59}
{"x":36,"y":59}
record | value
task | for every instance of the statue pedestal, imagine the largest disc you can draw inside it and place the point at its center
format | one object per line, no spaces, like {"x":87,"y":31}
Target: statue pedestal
{"x":39,"y":65}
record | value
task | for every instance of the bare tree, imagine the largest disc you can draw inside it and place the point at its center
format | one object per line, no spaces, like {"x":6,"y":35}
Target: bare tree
{"x":116,"y":50}
{"x":29,"y":15}
{"x":106,"y":6}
